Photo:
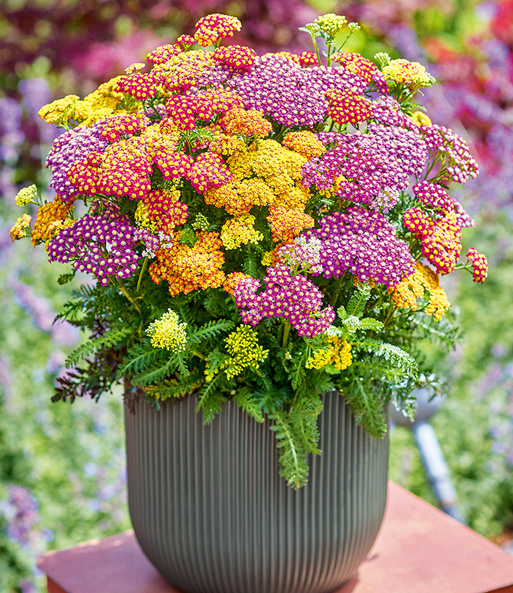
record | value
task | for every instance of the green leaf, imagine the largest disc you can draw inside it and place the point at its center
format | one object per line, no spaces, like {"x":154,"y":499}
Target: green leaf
{"x":210,"y":400}
{"x":248,"y":401}
{"x":371,"y":324}
{"x":210,"y":330}
{"x":65,"y":278}
{"x":357,"y":302}
{"x":292,"y":455}
{"x":109,"y":338}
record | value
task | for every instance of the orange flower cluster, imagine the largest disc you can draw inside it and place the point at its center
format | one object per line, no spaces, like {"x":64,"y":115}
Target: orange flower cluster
{"x":348,"y":107}
{"x":190,"y":268}
{"x":18,"y":230}
{"x":246,"y":122}
{"x":304,"y":143}
{"x":49,"y":219}
{"x":287,"y":224}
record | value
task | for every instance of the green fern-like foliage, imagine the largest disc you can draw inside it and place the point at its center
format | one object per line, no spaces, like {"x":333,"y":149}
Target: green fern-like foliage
{"x":109,"y":338}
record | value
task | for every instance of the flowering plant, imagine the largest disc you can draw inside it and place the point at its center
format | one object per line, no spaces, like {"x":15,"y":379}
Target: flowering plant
{"x":260,"y":228}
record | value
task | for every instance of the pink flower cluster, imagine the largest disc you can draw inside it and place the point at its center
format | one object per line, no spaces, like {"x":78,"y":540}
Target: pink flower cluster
{"x":293,"y":297}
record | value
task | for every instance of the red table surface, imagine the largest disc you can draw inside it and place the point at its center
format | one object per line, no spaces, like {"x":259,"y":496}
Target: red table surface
{"x":419,"y":550}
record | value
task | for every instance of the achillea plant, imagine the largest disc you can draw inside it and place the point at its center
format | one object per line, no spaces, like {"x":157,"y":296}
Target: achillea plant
{"x":260,"y":228}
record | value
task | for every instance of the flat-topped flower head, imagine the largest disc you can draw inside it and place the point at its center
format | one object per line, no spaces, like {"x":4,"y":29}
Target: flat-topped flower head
{"x":26,"y":195}
{"x":163,"y":53}
{"x":214,"y":27}
{"x":235,"y":58}
{"x":49,"y":219}
{"x":330,"y":24}
{"x":348,"y":106}
{"x":167,"y":332}
{"x":356,"y":64}
{"x":411,"y":74}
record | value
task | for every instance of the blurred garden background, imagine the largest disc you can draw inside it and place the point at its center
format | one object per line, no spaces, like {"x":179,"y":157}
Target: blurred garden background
{"x":62,"y":475}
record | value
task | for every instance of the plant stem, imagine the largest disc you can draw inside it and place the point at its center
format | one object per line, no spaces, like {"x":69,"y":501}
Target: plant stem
{"x":145,"y":263}
{"x":125,"y":292}
{"x":286,"y":334}
{"x":316,"y":49}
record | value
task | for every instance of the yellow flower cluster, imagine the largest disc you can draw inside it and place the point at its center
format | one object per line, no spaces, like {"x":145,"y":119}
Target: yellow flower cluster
{"x":100,"y":104}
{"x":18,"y":231}
{"x":183,"y":70}
{"x":330,"y":24}
{"x":49,"y":219}
{"x":337,"y":353}
{"x":413,"y":287}
{"x":26,"y":195}
{"x":240,"y":230}
{"x":305,"y":143}
{"x":419,"y":118}
{"x":265,"y":174}
{"x":224,"y":144}
{"x":242,"y":345}
{"x":57,"y":111}
{"x":409,"y":73}
{"x":168,"y":333}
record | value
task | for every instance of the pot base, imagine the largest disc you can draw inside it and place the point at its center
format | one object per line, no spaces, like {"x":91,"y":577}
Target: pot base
{"x":213,"y":515}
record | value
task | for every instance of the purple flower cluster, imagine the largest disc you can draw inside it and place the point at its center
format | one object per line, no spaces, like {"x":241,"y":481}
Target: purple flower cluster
{"x":387,"y":111}
{"x":99,"y":244}
{"x":365,"y":244}
{"x":368,"y":168}
{"x":434,"y":196}
{"x":68,"y":148}
{"x":459,"y":164}
{"x":290,"y":94}
{"x":294,"y":298}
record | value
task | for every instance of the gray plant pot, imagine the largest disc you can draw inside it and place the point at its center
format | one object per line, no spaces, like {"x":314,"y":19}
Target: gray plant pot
{"x":213,"y":515}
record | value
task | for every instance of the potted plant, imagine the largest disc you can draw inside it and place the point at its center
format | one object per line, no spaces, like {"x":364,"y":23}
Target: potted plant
{"x":266,"y":235}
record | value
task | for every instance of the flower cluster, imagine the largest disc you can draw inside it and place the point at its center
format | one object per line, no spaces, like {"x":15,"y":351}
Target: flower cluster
{"x":244,"y":350}
{"x":295,"y":298}
{"x":337,"y":353}
{"x":26,"y":195}
{"x":167,"y":332}
{"x":363,"y":243}
{"x":440,"y":239}
{"x":216,"y":26}
{"x":240,"y":231}
{"x":415,"y":286}
{"x":408,"y":73}
{"x":19,"y":230}
{"x":190,"y":268}
{"x":50,"y":220}
{"x":101,"y":244}
{"x":479,"y":263}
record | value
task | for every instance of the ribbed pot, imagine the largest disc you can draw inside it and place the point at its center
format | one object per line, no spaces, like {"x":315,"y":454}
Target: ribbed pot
{"x":213,"y":515}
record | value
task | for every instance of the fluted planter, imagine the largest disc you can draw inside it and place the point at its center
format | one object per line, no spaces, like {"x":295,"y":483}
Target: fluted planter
{"x":213,"y":515}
